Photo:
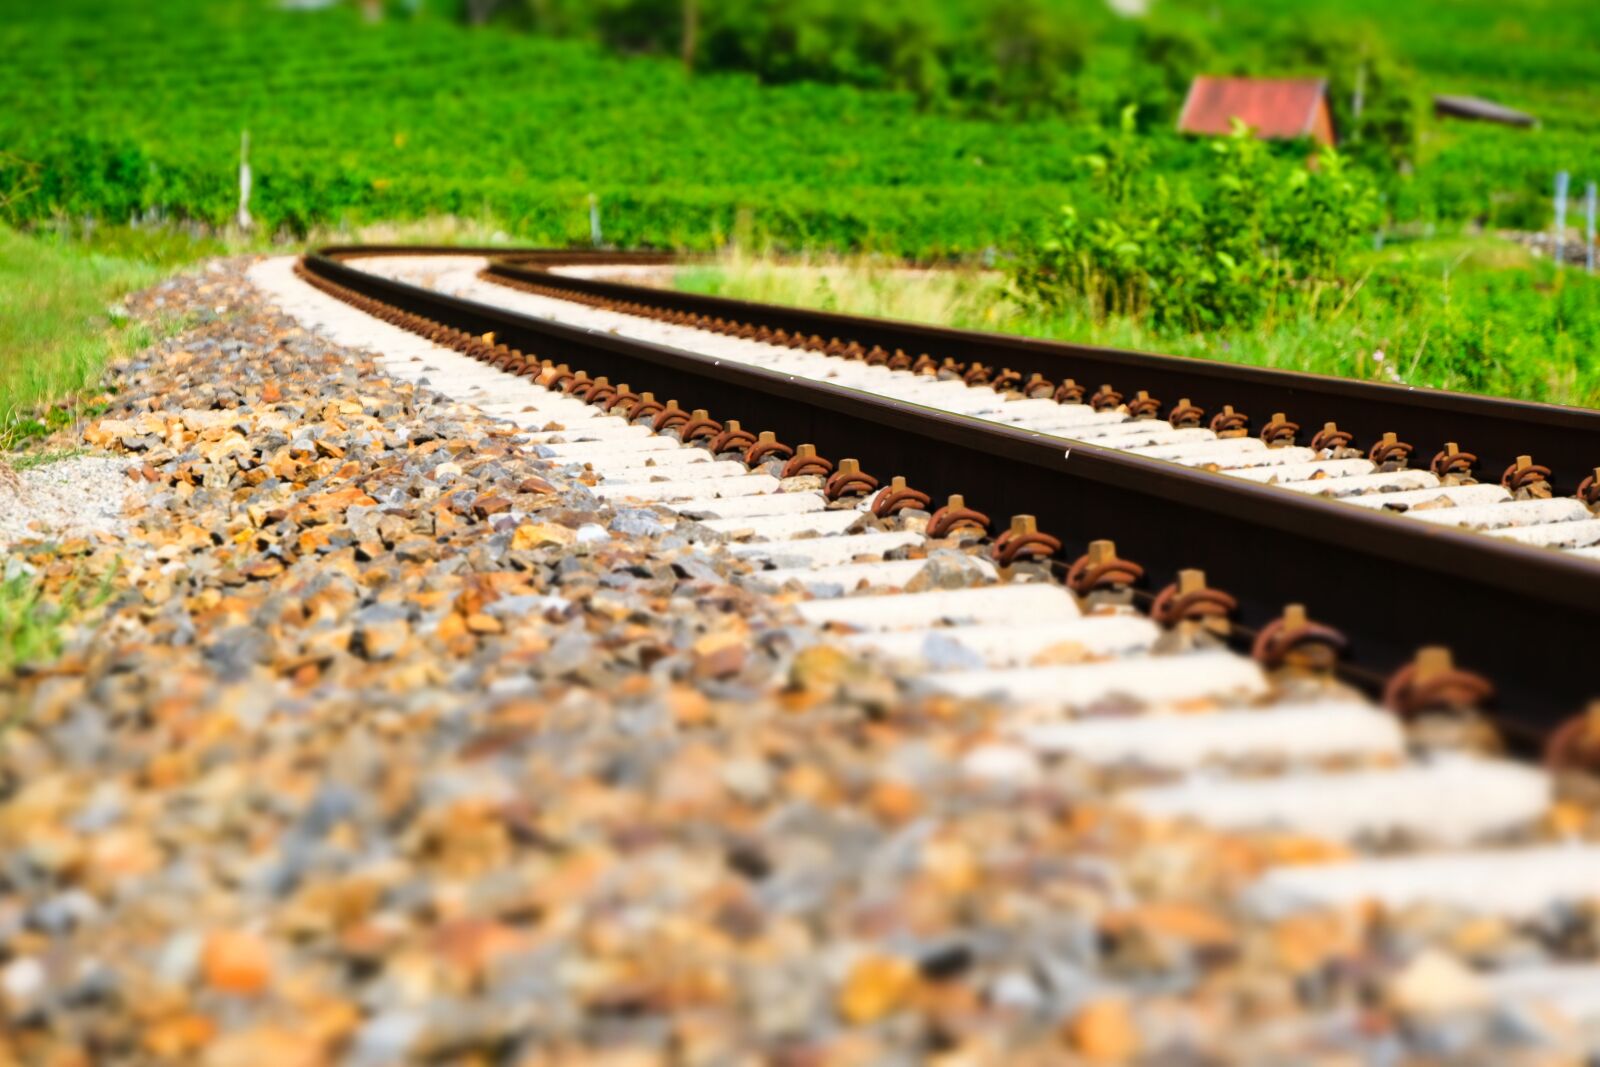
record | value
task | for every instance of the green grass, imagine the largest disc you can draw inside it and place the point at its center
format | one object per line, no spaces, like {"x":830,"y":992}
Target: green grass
{"x":33,"y":624}
{"x":58,"y":319}
{"x":34,"y":460}
{"x":1469,"y":315}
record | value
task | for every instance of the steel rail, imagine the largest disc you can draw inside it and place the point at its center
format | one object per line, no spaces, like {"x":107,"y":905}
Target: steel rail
{"x":1565,"y":439}
{"x":1525,"y":617}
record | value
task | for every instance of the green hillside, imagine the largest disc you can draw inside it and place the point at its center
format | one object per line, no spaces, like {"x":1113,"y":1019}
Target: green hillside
{"x":117,"y":111}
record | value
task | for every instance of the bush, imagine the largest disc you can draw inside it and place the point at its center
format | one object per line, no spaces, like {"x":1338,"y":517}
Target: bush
{"x":1263,"y":232}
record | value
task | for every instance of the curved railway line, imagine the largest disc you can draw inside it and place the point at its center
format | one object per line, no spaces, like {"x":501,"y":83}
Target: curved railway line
{"x":867,"y":513}
{"x":1521,"y":615}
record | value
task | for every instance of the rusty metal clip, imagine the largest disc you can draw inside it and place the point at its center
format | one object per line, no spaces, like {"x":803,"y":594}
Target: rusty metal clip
{"x":1189,"y":599}
{"x":1294,"y":640}
{"x":1452,"y":463}
{"x":1575,"y":744}
{"x":1105,"y":399}
{"x":1589,"y":489}
{"x":732,"y":439}
{"x":806,"y":461}
{"x":669,"y":416}
{"x":1185,"y":416}
{"x":955,"y":515}
{"x":1144,"y":406}
{"x":1279,"y":432}
{"x":1527,"y":479}
{"x":541,"y":371}
{"x":1024,"y":540}
{"x":624,"y":398}
{"x":1100,"y":568}
{"x":646,"y":407}
{"x":601,"y":392}
{"x":1038,"y":387}
{"x":1007,"y":381}
{"x":1331,"y":439}
{"x":1431,"y":682}
{"x":976,"y":374}
{"x":848,"y":480}
{"x":700,"y":424}
{"x":1230,"y":423}
{"x":766,"y":445}
{"x":896,"y":497}
{"x":1069,"y":392}
{"x":1390,"y":453}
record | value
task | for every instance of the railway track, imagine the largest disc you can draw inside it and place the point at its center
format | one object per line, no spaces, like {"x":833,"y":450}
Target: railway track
{"x":1238,"y":401}
{"x":1521,"y":505}
{"x":1415,"y":804}
{"x":1385,"y":581}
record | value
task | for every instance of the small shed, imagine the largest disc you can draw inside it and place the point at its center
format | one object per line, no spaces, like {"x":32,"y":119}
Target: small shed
{"x":1478,"y":109}
{"x":1276,"y":108}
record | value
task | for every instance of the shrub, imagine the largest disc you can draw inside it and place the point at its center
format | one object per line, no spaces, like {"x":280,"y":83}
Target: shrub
{"x":1263,"y":231}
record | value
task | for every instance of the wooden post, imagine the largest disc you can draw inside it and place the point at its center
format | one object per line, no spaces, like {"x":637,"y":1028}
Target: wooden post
{"x":691,"y":32}
{"x":1588,"y":225}
{"x":246,"y":223}
{"x":1563,"y":179}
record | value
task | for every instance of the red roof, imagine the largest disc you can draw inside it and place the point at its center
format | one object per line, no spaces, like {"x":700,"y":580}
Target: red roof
{"x":1273,"y":107}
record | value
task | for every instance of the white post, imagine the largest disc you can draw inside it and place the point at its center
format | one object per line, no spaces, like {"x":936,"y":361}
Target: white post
{"x":1588,"y":225}
{"x":245,"y":221}
{"x":1563,"y":179}
{"x":594,"y":220}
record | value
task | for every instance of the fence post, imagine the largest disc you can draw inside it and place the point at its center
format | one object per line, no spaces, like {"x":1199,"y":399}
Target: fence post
{"x":594,"y":220}
{"x":1563,"y":179}
{"x":1588,"y":225}
{"x":246,"y":223}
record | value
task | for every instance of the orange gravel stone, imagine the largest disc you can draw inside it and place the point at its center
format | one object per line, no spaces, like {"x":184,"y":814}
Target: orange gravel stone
{"x":877,"y":986}
{"x":1103,"y":1031}
{"x":236,"y":961}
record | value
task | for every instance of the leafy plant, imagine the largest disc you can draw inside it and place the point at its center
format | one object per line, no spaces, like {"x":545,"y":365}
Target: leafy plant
{"x":1261,"y":231}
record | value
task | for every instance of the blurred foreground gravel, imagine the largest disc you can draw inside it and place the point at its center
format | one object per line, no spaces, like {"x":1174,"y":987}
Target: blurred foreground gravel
{"x":393,"y":745}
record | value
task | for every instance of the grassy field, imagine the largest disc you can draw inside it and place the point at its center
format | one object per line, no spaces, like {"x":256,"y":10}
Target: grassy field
{"x":136,"y":109}
{"x":1478,"y":315}
{"x":59,"y":315}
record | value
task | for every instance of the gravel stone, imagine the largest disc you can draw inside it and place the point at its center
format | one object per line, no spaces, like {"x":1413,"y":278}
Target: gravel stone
{"x":75,"y":497}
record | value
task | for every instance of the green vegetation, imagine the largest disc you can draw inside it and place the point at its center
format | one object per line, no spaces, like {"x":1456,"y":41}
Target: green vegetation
{"x":59,"y":320}
{"x":1021,"y":55}
{"x":1261,"y":235}
{"x":32,"y":622}
{"x":34,"y":460}
{"x":1477,"y":316}
{"x":134,"y":110}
